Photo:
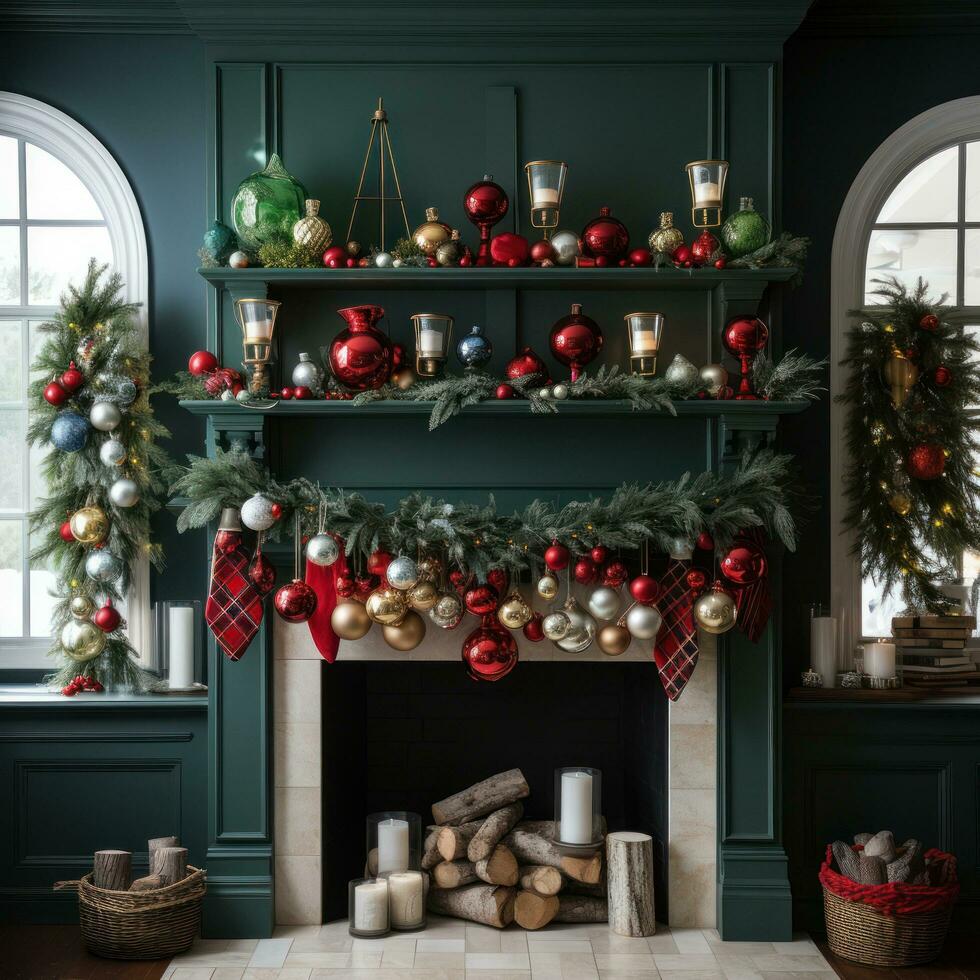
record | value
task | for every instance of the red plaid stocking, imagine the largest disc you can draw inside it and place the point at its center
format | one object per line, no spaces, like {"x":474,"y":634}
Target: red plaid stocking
{"x":676,"y":649}
{"x":234,"y":608}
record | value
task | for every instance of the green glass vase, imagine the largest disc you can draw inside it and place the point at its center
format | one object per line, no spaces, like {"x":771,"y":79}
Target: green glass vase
{"x":744,"y":231}
{"x":267,"y":204}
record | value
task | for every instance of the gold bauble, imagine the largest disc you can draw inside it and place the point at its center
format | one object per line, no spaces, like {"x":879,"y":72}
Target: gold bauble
{"x":430,"y":569}
{"x":613,"y":639}
{"x":386,"y":606}
{"x":423,"y":595}
{"x":548,"y":586}
{"x":407,"y":634}
{"x":82,"y":641}
{"x":89,"y":525}
{"x":666,"y":238}
{"x":514,"y":612}
{"x":403,"y":377}
{"x":349,"y":620}
{"x":312,"y":230}
{"x":715,"y":611}
{"x":900,"y":374}
{"x":82,"y":606}
{"x":901,"y":503}
{"x":432,"y":232}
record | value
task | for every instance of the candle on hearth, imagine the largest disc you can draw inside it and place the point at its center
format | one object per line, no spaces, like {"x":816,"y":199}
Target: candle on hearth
{"x":370,"y":912}
{"x":406,"y":899}
{"x":823,"y":645}
{"x":879,"y":659}
{"x":181,"y":646}
{"x":576,"y":807}
{"x":392,"y":846}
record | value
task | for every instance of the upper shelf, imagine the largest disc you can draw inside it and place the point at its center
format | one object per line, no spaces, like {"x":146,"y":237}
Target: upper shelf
{"x":495,"y":278}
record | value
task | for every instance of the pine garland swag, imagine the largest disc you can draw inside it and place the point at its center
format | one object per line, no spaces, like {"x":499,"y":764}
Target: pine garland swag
{"x":96,"y":329}
{"x":912,"y":532}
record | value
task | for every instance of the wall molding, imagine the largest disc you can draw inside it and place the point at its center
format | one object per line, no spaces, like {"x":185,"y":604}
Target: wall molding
{"x":83,"y":737}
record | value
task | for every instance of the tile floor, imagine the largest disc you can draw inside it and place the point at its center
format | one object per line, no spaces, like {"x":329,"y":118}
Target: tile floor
{"x":449,"y":949}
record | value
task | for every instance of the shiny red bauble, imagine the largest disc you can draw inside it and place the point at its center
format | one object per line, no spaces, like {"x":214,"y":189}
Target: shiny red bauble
{"x":584,"y":571}
{"x":720,"y":263}
{"x":926,"y":461}
{"x":525,"y":363}
{"x":226,"y":541}
{"x":397,"y":355}
{"x":481,"y":600}
{"x":485,"y":203}
{"x":681,"y":254}
{"x":599,"y":554}
{"x":641,"y":256}
{"x":542,"y":251}
{"x":504,"y":392}
{"x":361,"y":355}
{"x":556,"y":557}
{"x":704,"y":247}
{"x":575,"y":340}
{"x":490,"y":651}
{"x":509,"y":249}
{"x":696,"y":580}
{"x":645,"y":589}
{"x":295,"y":601}
{"x":200,"y":362}
{"x":65,"y":532}
{"x":615,"y":574}
{"x":605,"y":237}
{"x":378,"y":562}
{"x":942,"y":376}
{"x":286,"y":394}
{"x":364,"y":585}
{"x":275,"y":509}
{"x":929,"y":322}
{"x":301,"y":392}
{"x":458,"y":579}
{"x":344,"y":586}
{"x":337,"y":254}
{"x":744,"y":564}
{"x":705,"y":542}
{"x":262,"y":574}
{"x":499,"y":579}
{"x":107,"y":618}
{"x":533,"y":628}
{"x":73,"y":379}
{"x":54,"y":394}
{"x":744,"y":337}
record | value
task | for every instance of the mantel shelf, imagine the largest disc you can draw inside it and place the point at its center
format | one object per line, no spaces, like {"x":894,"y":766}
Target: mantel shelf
{"x":669,"y":279}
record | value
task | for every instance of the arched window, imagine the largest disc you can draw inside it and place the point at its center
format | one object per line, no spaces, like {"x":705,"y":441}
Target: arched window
{"x":63,"y":199}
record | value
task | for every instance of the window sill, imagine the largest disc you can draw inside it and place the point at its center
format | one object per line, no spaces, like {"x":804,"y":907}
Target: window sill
{"x":38,"y":696}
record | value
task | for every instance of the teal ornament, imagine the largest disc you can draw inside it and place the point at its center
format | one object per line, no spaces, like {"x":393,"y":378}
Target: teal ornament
{"x":220,"y":241}
{"x":267,"y":204}
{"x":474,"y":350}
{"x":745,"y":231}
{"x":69,"y":432}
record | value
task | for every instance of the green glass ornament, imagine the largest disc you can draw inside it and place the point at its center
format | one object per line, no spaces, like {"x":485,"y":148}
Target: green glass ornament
{"x":220,"y":241}
{"x":267,"y":204}
{"x":745,"y":231}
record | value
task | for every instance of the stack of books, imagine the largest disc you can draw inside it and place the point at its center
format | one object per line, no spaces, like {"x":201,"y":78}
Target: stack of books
{"x":932,"y":650}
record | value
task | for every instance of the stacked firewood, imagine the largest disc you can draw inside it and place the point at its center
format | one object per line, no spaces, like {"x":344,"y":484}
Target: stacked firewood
{"x":167,"y":865}
{"x":489,"y":865}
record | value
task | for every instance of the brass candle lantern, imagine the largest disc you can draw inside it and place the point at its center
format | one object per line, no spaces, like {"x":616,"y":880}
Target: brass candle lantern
{"x":433,"y":331}
{"x":643,"y":330}
{"x":546,"y":185}
{"x":707,"y":179}
{"x":257,"y":318}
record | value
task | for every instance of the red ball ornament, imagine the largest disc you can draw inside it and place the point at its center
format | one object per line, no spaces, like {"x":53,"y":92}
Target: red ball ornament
{"x":926,"y":461}
{"x":681,"y":254}
{"x":65,"y":532}
{"x":929,"y":322}
{"x":505,"y":391}
{"x":262,"y":574}
{"x":514,"y":263}
{"x":615,"y":574}
{"x":481,"y":600}
{"x":201,"y":362}
{"x":697,"y":580}
{"x":363,"y":263}
{"x":584,"y":571}
{"x":364,"y":585}
{"x":744,"y":564}
{"x":361,"y":355}
{"x":286,"y":394}
{"x":525,"y":363}
{"x":556,"y":557}
{"x":351,"y":263}
{"x":433,"y":262}
{"x":508,"y":248}
{"x":641,"y":256}
{"x":601,"y":262}
{"x":599,"y":554}
{"x":465,"y":262}
{"x":378,"y":562}
{"x":295,"y":601}
{"x":459,"y":579}
{"x":703,"y":247}
{"x":397,"y":355}
{"x":645,"y":589}
{"x":107,"y":618}
{"x":490,"y":651}
{"x":605,"y":237}
{"x":344,"y":586}
{"x":499,"y":579}
{"x":72,"y":379}
{"x":721,"y":263}
{"x":705,"y":542}
{"x":542,"y":251}
{"x":54,"y":394}
{"x":301,"y":392}
{"x":575,"y":340}
{"x":336,"y":253}
{"x":622,"y":263}
{"x":533,"y":629}
{"x":942,"y":376}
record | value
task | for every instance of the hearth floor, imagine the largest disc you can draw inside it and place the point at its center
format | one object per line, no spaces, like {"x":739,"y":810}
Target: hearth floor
{"x":449,"y":949}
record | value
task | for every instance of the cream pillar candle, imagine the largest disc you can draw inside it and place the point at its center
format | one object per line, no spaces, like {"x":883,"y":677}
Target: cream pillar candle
{"x":708,"y":193}
{"x":823,"y":648}
{"x":371,"y":906}
{"x":406,"y":899}
{"x":545,"y":197}
{"x":392,"y":846}
{"x":430,"y":343}
{"x":879,"y":659}
{"x":180,"y":633}
{"x":576,"y":807}
{"x":644,"y":342}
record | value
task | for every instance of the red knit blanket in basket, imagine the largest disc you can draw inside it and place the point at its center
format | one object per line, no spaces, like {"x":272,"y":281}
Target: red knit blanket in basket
{"x":897,"y":897}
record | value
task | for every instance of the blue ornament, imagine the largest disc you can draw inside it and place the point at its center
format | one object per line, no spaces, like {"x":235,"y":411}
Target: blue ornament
{"x":69,"y":432}
{"x":474,"y":349}
{"x":220,"y":241}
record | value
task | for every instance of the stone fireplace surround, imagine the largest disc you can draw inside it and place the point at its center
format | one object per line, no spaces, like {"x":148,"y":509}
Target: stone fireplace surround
{"x":691,"y":772}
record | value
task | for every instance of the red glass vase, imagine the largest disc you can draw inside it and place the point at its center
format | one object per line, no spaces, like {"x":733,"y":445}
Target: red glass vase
{"x":575,"y":340}
{"x":485,"y":203}
{"x":744,"y":337}
{"x":361,"y":355}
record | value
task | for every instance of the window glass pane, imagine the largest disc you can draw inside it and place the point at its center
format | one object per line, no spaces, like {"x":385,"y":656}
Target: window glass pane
{"x":971,"y":267}
{"x":43,"y":602}
{"x":12,"y":387}
{"x":53,"y":191}
{"x":973,"y":181}
{"x":11,"y":578}
{"x":877,"y":610}
{"x":13,"y":437}
{"x":9,"y":188}
{"x":58,"y":256}
{"x":928,"y":193}
{"x":930,"y":253}
{"x":10,"y":265}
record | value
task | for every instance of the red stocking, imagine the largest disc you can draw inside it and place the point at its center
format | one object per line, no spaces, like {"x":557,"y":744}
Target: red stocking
{"x":676,"y":649}
{"x":322,"y":579}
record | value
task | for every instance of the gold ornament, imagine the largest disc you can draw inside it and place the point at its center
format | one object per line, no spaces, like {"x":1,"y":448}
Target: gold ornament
{"x":432,"y":232}
{"x":514,"y":612}
{"x":312,"y":230}
{"x":430,"y":569}
{"x":900,"y":374}
{"x":666,"y":238}
{"x":407,"y":634}
{"x":449,"y":253}
{"x":82,"y":641}
{"x":353,"y":249}
{"x":613,"y":639}
{"x":901,"y":503}
{"x":82,"y":606}
{"x":423,"y":595}
{"x":349,"y":620}
{"x":403,"y":377}
{"x":386,"y":606}
{"x":547,"y":586}
{"x":715,"y":611}
{"x":89,"y":525}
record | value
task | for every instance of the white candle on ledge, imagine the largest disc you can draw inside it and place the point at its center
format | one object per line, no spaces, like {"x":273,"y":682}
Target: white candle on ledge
{"x":430,"y":343}
{"x":576,"y":807}
{"x":392,"y":846}
{"x":407,"y":899}
{"x":371,"y":906}
{"x":644,"y":342}
{"x":707,"y":194}
{"x":823,"y":647}
{"x":879,"y":659}
{"x":545,"y":197}
{"x":180,"y":630}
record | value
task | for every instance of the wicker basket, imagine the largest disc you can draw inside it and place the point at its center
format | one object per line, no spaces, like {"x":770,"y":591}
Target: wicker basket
{"x":152,"y":925}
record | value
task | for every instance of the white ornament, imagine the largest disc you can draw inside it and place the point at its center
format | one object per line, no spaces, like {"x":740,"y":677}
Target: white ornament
{"x":402,"y":573}
{"x":105,"y":416}
{"x":124,"y":492}
{"x":321,"y":549}
{"x":257,"y":513}
{"x":560,"y":392}
{"x":227,"y":396}
{"x":582,"y":628}
{"x":567,"y":246}
{"x":714,"y":377}
{"x":643,"y":622}
{"x":112,"y":452}
{"x":396,"y":263}
{"x":383,"y":260}
{"x":682,"y":372}
{"x":244,"y":395}
{"x":238,"y":260}
{"x":556,"y":625}
{"x":544,"y":393}
{"x":604,"y":602}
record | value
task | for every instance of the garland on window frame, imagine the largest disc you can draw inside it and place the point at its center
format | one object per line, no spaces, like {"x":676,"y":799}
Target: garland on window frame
{"x":912,"y":482}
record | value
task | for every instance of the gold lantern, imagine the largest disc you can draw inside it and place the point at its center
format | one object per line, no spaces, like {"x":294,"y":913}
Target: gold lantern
{"x":643,"y":331}
{"x":432,"y":334}
{"x":707,"y":178}
{"x":546,"y":185}
{"x":257,"y":318}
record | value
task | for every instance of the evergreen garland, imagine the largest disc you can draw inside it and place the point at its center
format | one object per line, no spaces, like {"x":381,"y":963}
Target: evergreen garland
{"x":96,"y":329}
{"x":785,"y":252}
{"x":912,"y":532}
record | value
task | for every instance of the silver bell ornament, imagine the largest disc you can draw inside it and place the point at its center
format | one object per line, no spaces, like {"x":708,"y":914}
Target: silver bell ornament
{"x":556,"y":625}
{"x":82,"y":641}
{"x":307,"y":374}
{"x":567,"y":247}
{"x":514,"y":612}
{"x":257,"y":513}
{"x":604,"y":602}
{"x":448,"y":611}
{"x":643,"y":622}
{"x":714,"y":377}
{"x":124,"y":492}
{"x":402,"y":573}
{"x":681,"y":372}
{"x":105,"y":416}
{"x":715,"y":611}
{"x":321,"y":549}
{"x":547,"y":587}
{"x":103,"y":566}
{"x":112,"y":452}
{"x":582,"y":628}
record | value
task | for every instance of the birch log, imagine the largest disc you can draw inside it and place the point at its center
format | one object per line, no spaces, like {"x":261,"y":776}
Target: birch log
{"x":500,"y":868}
{"x":540,"y":878}
{"x":155,"y":843}
{"x":112,"y":870}
{"x":452,"y":874}
{"x":482,"y":798}
{"x":581,"y":908}
{"x":534,"y":911}
{"x":430,"y":849}
{"x":170,"y":863}
{"x":493,"y":830}
{"x":531,"y":843}
{"x":148,"y":884}
{"x":629,"y":866}
{"x":452,"y":842}
{"x":490,"y":905}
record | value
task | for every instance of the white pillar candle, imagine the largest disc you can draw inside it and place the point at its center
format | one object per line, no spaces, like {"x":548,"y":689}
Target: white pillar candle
{"x":644,"y":341}
{"x":406,"y":899}
{"x":576,"y":807}
{"x":823,"y":648}
{"x":879,"y":659}
{"x":258,"y":329}
{"x":371,"y":906}
{"x":181,"y":647}
{"x":545,"y":197}
{"x":707,"y":193}
{"x":392,"y":846}
{"x":430,"y":343}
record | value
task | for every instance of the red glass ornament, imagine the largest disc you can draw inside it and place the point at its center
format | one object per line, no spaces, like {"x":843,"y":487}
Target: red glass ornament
{"x":363,"y":263}
{"x":490,"y":651}
{"x":929,"y":322}
{"x":645,"y":589}
{"x":744,"y":337}
{"x":200,"y":362}
{"x":485,"y":203}
{"x":622,"y":263}
{"x":65,"y":532}
{"x":336,"y":253}
{"x":681,"y":254}
{"x":54,"y":394}
{"x":615,"y":574}
{"x":344,"y":586}
{"x":584,"y":571}
{"x":533,"y":629}
{"x":378,"y":562}
{"x":542,"y":251}
{"x":599,"y":554}
{"x":397,"y":355}
{"x":351,"y":263}
{"x":697,"y":580}
{"x":705,"y":542}
{"x":605,"y":237}
{"x":227,"y":541}
{"x":509,"y":248}
{"x":361,"y":355}
{"x":601,"y":262}
{"x":720,"y":263}
{"x":295,"y":601}
{"x":481,"y":600}
{"x":641,"y":256}
{"x":107,"y":618}
{"x":459,"y":579}
{"x":525,"y":363}
{"x":301,"y":392}
{"x":556,"y":557}
{"x":703,"y":247}
{"x":219,"y":379}
{"x":926,"y":461}
{"x":465,"y":262}
{"x":262,"y":573}
{"x":942,"y":376}
{"x":505,"y":391}
{"x":575,"y":340}
{"x":744,"y":564}
{"x":499,"y":579}
{"x":725,"y":393}
{"x":72,"y":379}
{"x":364,"y":585}
{"x":286,"y":394}
{"x":275,"y":510}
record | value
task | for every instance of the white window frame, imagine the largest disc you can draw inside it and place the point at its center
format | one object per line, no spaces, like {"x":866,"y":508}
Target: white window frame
{"x":65,"y":139}
{"x":921,"y":137}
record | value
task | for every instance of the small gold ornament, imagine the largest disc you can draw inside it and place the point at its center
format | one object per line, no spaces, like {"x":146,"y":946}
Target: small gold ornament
{"x":82,"y":641}
{"x":901,"y":375}
{"x":407,"y":634}
{"x":666,"y":238}
{"x":82,"y":606}
{"x":432,"y":232}
{"x":386,"y":606}
{"x":349,"y":620}
{"x":547,"y":586}
{"x":353,"y":249}
{"x":404,"y":377}
{"x":613,"y":639}
{"x":449,"y":253}
{"x":89,"y":525}
{"x":312,"y":230}
{"x":715,"y":611}
{"x":901,"y":503}
{"x":424,"y":595}
{"x":514,"y":612}
{"x":430,"y":569}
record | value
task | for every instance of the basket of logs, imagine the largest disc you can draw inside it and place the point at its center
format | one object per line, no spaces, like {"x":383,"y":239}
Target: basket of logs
{"x":151,"y":918}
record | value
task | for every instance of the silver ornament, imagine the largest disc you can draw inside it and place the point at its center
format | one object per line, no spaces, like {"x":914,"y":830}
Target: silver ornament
{"x":112,"y":452}
{"x":383,"y":260}
{"x":567,"y":247}
{"x":448,"y":611}
{"x":544,"y":393}
{"x":559,"y":392}
{"x":227,"y":396}
{"x":556,"y":625}
{"x":124,"y":492}
{"x":402,"y":573}
{"x":321,"y":549}
{"x":257,"y":513}
{"x":604,"y":602}
{"x":105,"y":416}
{"x":243,"y":396}
{"x":643,"y":622}
{"x":547,"y":586}
{"x":682,"y":372}
{"x":714,"y":377}
{"x":103,"y":566}
{"x":582,"y":628}
{"x":238,"y":260}
{"x":307,"y":374}
{"x":682,"y":549}
{"x":396,"y":263}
